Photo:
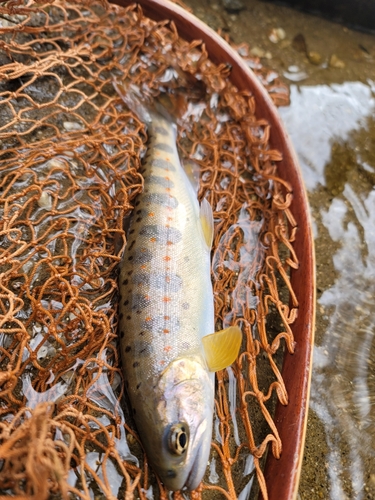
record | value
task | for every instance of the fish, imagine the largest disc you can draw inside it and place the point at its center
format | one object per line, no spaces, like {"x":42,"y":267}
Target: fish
{"x":169,"y":348}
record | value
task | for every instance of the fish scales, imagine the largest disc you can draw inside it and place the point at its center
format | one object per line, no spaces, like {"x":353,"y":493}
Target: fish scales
{"x":164,"y":283}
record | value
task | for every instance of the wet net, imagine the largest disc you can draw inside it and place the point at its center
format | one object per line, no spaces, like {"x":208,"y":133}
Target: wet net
{"x":70,"y":155}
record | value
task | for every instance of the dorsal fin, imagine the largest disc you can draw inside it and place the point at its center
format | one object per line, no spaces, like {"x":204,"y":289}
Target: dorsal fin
{"x":192,"y":172}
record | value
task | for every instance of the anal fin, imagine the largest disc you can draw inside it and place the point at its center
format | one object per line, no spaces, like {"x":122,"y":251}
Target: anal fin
{"x":222,"y":348}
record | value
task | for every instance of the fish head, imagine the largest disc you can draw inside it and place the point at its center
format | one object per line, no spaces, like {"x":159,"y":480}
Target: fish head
{"x":179,"y":448}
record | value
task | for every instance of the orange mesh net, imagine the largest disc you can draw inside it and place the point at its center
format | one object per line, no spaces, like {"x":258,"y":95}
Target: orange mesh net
{"x":69,"y":172}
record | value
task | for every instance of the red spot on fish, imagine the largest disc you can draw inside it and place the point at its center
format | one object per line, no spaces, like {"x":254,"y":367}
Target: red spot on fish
{"x":168,"y":189}
{"x":151,"y":214}
{"x":165,"y":330}
{"x":167,"y":258}
{"x":169,"y":242}
{"x":166,"y":299}
{"x":143,"y":266}
{"x":169,"y":218}
{"x":166,"y":317}
{"x":167,"y":348}
{"x":162,"y":362}
{"x":152,"y":240}
{"x":148,"y":318}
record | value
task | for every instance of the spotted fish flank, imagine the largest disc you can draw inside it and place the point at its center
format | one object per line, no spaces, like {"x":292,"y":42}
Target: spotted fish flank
{"x":161,"y":199}
{"x":167,"y":281}
{"x":165,"y":182}
{"x":140,"y":301}
{"x":163,"y":164}
{"x":162,"y":234}
{"x":142,"y":256}
{"x":162,"y":324}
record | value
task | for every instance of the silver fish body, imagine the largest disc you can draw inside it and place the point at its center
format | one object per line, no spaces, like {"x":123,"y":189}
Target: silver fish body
{"x":166,"y":307}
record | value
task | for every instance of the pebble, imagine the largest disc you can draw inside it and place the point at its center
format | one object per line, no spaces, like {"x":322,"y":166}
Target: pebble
{"x":314,"y":57}
{"x":295,"y":76}
{"x":276,"y":35}
{"x":233,"y":6}
{"x":70,"y":126}
{"x":335,"y":62}
{"x":45,"y":200}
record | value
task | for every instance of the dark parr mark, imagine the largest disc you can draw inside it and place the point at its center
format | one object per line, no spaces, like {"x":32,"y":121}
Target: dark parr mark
{"x":164,"y":164}
{"x":127,"y":348}
{"x":140,"y":301}
{"x":160,"y":181}
{"x":167,"y":282}
{"x":162,"y":146}
{"x":162,"y":234}
{"x":159,"y":129}
{"x":142,"y":255}
{"x":162,"y":199}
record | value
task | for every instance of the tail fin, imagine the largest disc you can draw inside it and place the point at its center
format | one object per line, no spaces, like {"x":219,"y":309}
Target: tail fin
{"x":134,"y":99}
{"x":171,"y":106}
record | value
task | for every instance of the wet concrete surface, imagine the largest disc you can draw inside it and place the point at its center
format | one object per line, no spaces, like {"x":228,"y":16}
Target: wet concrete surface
{"x":331,"y":71}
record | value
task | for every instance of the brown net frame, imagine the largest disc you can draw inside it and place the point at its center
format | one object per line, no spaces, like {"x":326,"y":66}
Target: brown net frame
{"x":70,"y":153}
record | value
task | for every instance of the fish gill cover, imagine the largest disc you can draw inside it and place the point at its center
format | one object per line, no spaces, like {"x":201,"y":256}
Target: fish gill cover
{"x":70,"y":156}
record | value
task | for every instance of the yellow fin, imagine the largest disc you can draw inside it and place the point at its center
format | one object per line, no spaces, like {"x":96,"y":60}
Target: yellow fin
{"x":207,"y":221}
{"x":221,"y":348}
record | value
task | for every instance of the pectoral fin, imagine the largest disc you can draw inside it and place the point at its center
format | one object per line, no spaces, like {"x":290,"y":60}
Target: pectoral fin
{"x":221,"y":348}
{"x":207,"y":221}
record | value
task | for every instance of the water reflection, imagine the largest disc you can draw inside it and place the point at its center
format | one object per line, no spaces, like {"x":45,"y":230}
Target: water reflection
{"x":321,"y":114}
{"x":336,"y":148}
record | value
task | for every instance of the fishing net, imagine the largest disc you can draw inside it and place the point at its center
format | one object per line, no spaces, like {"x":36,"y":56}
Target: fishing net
{"x":70,"y":156}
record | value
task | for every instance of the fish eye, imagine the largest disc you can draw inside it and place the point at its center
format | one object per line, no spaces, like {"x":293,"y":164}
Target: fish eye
{"x":178,"y":439}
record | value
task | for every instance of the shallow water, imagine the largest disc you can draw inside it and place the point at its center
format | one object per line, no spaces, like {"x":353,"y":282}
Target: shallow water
{"x":331,"y":124}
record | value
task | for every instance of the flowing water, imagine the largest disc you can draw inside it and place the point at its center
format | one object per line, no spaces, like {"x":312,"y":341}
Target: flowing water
{"x":331,"y":121}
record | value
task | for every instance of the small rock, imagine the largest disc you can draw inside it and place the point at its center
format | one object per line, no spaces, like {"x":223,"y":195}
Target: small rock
{"x":276,"y":35}
{"x":233,"y":6}
{"x":299,"y":43}
{"x":295,"y":76}
{"x":335,"y":62}
{"x":45,"y":200}
{"x":293,"y":69}
{"x":257,"y":52}
{"x":70,"y":126}
{"x":314,"y":57}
